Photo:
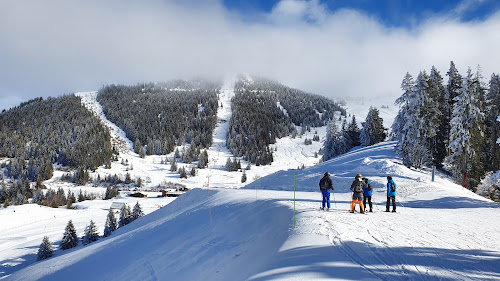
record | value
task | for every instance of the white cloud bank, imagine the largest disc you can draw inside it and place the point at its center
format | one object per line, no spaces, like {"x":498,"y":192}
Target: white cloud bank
{"x":61,"y":46}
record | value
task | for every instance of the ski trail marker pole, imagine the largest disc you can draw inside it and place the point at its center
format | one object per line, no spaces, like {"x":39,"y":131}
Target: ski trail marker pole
{"x":293,"y":199}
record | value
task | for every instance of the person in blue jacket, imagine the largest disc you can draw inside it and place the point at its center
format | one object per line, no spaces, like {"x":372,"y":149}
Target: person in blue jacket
{"x":325,"y":185}
{"x":391,"y":194}
{"x":367,"y":194}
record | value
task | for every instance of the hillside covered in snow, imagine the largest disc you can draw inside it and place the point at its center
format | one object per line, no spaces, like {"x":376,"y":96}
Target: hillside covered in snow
{"x":267,"y":231}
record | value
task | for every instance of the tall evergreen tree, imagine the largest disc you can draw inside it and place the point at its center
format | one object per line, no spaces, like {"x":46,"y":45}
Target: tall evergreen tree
{"x":70,"y":239}
{"x":492,"y":124}
{"x":331,"y":136}
{"x":46,"y":250}
{"x":90,"y":234}
{"x":173,"y":165}
{"x":466,"y":135}
{"x":125,"y":216}
{"x":137,"y":211}
{"x":452,"y":90}
{"x":398,"y":126}
{"x":111,"y":224}
{"x":354,"y":131}
{"x":373,"y":130}
{"x":436,"y":104}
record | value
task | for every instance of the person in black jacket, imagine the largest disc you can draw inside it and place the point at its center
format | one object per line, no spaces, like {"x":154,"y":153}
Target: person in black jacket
{"x":325,"y":185}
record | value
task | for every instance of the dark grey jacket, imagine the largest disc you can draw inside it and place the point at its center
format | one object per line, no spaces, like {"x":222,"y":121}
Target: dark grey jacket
{"x":325,"y":183}
{"x":357,"y":186}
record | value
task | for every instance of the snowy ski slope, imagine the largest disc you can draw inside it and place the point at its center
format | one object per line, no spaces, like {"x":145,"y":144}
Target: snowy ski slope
{"x":440,"y":232}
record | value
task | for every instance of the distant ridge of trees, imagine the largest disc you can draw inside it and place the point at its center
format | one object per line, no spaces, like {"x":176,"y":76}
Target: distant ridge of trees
{"x":159,"y":116}
{"x":264,"y":110}
{"x":39,"y":133}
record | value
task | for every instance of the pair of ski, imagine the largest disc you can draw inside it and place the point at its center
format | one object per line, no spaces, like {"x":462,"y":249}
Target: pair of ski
{"x":356,"y":211}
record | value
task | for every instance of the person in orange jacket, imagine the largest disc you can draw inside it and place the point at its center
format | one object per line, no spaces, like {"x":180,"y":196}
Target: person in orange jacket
{"x":357,"y":193}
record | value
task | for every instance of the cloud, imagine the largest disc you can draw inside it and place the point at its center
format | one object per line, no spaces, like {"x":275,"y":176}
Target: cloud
{"x":466,"y":5}
{"x":55,"y":47}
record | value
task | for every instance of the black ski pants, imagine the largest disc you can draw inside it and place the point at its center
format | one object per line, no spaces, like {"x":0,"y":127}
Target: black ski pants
{"x":389,"y":199}
{"x":369,"y":198}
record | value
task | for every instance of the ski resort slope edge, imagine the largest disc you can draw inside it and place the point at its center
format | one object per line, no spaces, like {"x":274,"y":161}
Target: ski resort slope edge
{"x":440,"y":232}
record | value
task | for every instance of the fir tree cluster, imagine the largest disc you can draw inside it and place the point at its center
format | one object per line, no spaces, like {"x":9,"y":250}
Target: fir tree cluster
{"x":452,"y":125}
{"x":264,"y":110}
{"x":339,"y":141}
{"x":39,"y":133}
{"x":157,"y":117}
{"x":70,"y":238}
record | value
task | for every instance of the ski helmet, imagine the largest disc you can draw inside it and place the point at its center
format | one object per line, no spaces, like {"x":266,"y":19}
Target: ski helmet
{"x":359,"y":176}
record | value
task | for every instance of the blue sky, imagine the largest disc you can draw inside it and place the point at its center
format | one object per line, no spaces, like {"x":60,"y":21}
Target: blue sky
{"x":357,"y":49}
{"x":392,"y":13}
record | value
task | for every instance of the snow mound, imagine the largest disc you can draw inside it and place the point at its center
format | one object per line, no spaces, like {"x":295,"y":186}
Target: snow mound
{"x":370,"y":166}
{"x":375,"y":162}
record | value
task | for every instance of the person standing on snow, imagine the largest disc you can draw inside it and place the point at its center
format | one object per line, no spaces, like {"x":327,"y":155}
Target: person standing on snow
{"x":391,"y":194}
{"x":367,"y":194}
{"x":357,"y":193}
{"x":325,"y":185}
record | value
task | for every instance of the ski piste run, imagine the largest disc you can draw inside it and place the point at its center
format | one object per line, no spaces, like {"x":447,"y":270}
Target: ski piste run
{"x":272,"y":229}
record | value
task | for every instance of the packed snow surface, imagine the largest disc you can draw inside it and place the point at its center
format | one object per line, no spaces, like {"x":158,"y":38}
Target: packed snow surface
{"x":266,"y":231}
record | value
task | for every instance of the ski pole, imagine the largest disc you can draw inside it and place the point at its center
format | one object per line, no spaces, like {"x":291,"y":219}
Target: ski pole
{"x":401,"y":204}
{"x":373,"y":203}
{"x":334,"y":199}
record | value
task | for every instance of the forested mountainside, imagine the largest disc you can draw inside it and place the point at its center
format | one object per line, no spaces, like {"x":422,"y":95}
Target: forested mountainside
{"x":163,"y":115}
{"x":264,"y":110}
{"x":39,"y":133}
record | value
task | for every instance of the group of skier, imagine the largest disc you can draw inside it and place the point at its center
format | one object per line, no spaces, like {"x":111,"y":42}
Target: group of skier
{"x":362,"y":191}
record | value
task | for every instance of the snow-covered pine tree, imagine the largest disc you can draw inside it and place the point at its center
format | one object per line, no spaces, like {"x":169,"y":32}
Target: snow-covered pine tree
{"x":45,"y":251}
{"x":343,"y":142}
{"x":466,"y":132}
{"x":90,"y":235}
{"x":70,"y":239}
{"x":436,"y":104}
{"x":492,"y":124}
{"x":203,"y":160}
{"x":331,"y":136}
{"x":182,"y":173}
{"x":408,"y":87}
{"x":417,"y":122}
{"x":243,"y":177}
{"x":373,"y":128}
{"x":125,"y":215}
{"x":137,"y":211}
{"x":173,"y":165}
{"x":138,"y":148}
{"x":417,"y":153}
{"x":111,"y":224}
{"x":353,"y":131}
{"x":452,"y":90}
